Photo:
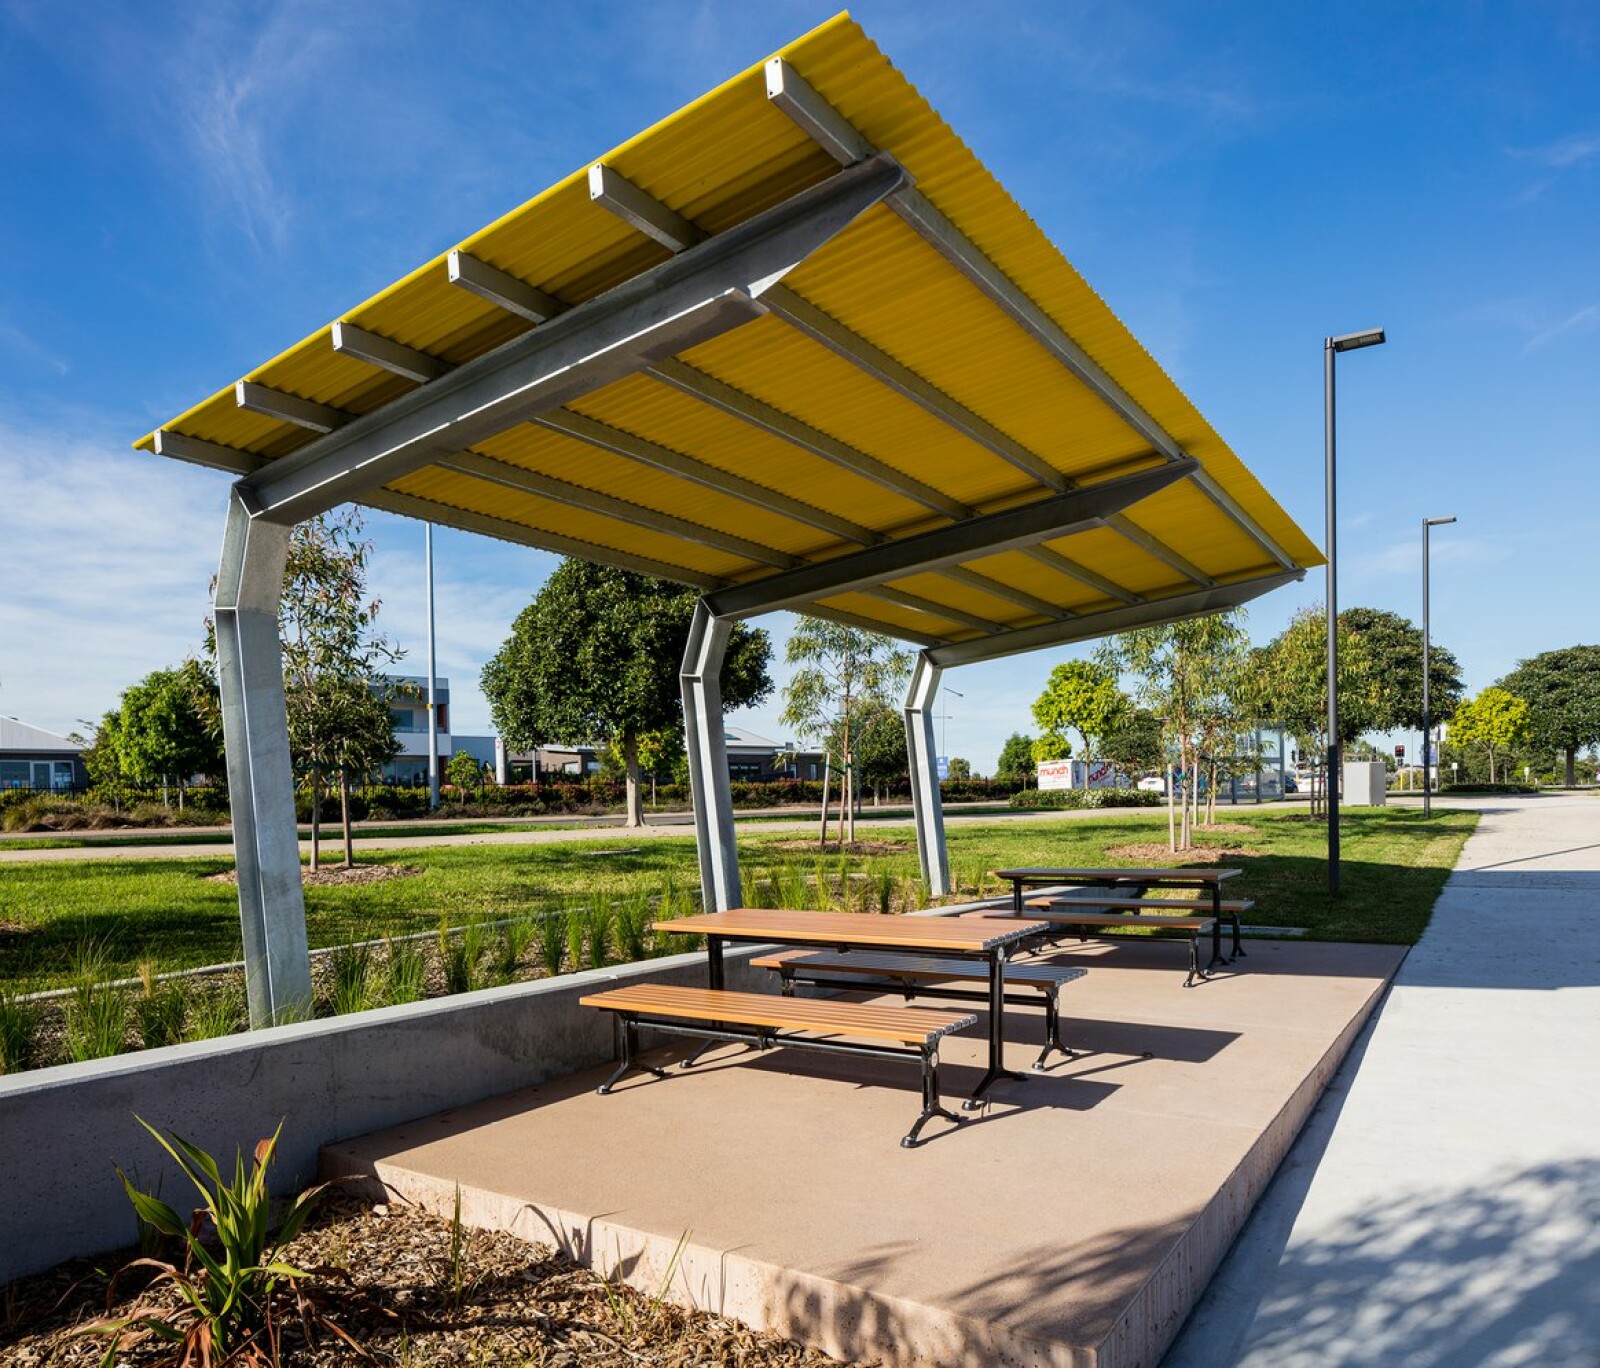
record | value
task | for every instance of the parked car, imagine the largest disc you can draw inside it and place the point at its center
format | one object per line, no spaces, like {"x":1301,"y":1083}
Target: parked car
{"x":1153,"y":783}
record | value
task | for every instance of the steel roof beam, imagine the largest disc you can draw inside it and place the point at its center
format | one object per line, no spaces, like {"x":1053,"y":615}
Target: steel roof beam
{"x":624,"y":199}
{"x":1055,"y":516}
{"x":648,"y":453}
{"x":426,"y":510}
{"x":1194,"y":603}
{"x":699,"y":294}
{"x":213,"y":454}
{"x":477,"y":466}
{"x":1065,"y":565}
{"x":831,"y":131}
{"x":387,"y":354}
{"x":500,"y":288}
{"x":933,"y":608}
{"x":984,"y":584}
{"x":736,"y":403}
{"x":289,"y":408}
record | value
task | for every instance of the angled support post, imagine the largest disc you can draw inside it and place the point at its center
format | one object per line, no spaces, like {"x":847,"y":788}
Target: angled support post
{"x":260,"y":783}
{"x":925,"y":801}
{"x":707,"y":747}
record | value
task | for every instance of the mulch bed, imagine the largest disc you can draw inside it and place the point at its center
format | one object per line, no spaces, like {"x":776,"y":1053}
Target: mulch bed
{"x":848,"y":848}
{"x":1157,"y":856}
{"x":335,"y":875}
{"x":383,"y":1275}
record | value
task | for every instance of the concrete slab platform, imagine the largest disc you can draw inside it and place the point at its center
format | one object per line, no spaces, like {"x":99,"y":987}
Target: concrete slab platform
{"x":1074,"y":1221}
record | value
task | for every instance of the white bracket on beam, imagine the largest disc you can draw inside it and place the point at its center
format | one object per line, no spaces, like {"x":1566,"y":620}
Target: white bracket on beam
{"x":386,"y":354}
{"x":501,"y":288}
{"x":288,"y":408}
{"x":614,"y":191}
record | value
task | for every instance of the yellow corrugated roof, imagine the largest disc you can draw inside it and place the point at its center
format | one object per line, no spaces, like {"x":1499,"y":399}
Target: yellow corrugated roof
{"x":717,"y":162}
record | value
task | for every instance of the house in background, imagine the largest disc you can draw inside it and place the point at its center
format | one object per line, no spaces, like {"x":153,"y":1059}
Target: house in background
{"x":32,"y":758}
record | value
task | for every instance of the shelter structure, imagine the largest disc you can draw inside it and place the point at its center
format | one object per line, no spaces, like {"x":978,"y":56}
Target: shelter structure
{"x":793,"y":346}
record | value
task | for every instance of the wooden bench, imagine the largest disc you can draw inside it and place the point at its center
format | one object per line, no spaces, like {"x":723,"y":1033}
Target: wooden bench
{"x":1229,"y":910}
{"x":922,"y":976}
{"x":766,"y":1021}
{"x":1069,"y":913}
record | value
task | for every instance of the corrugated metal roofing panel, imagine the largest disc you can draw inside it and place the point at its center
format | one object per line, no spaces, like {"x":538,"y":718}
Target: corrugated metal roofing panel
{"x":727,"y":156}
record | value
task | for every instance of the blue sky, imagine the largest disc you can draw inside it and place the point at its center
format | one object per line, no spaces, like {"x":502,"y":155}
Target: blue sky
{"x":188,"y":188}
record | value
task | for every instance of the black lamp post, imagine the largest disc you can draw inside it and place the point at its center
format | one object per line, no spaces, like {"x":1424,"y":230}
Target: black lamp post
{"x":1370,"y":337}
{"x":1427,"y":715}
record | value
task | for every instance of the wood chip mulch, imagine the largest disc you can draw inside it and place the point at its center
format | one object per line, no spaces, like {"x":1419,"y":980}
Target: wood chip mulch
{"x":383,"y":1275}
{"x":1154,"y":855}
{"x":848,"y":848}
{"x":336,"y":875}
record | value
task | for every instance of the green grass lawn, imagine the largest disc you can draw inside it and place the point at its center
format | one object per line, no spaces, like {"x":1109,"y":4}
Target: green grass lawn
{"x":166,"y":911}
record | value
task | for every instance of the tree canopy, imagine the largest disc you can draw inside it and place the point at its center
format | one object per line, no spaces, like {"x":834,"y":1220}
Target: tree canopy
{"x":1562,"y":691}
{"x":1380,"y":676}
{"x":159,"y":732}
{"x":1016,"y":759}
{"x":595,"y":657}
{"x":1081,"y":696}
{"x":1495,"y":720}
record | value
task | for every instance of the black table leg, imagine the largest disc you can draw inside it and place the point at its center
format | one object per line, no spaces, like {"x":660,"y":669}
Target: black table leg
{"x":714,"y":962}
{"x":997,"y":1039}
{"x":1216,"y":928}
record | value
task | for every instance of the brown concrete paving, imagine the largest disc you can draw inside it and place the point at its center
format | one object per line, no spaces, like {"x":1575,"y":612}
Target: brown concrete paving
{"x":1075,"y":1221}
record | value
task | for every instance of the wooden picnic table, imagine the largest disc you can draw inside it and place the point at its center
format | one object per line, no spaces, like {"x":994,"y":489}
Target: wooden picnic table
{"x":993,"y":942}
{"x":1206,"y":879}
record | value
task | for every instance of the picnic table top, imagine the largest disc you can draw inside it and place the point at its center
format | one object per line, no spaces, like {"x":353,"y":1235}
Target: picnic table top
{"x":1204,"y":874}
{"x":965,"y":936}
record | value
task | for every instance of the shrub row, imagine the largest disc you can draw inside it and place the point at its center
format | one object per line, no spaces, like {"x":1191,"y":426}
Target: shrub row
{"x":1058,"y":799}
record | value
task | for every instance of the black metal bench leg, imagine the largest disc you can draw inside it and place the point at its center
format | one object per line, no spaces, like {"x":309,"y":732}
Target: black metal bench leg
{"x":930,"y":1099}
{"x":1217,"y":956}
{"x":630,"y":1054}
{"x":1238,"y":949}
{"x":693,"y":1057}
{"x":1052,"y":1032}
{"x":1196,"y":974}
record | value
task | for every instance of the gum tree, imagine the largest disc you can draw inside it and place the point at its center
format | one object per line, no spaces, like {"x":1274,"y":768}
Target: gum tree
{"x":840,"y":675}
{"x":595,"y":657}
{"x":1081,"y":696}
{"x":1562,"y":691}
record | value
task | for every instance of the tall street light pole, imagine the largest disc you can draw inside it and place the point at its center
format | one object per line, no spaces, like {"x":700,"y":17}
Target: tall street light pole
{"x":1331,"y":347}
{"x":433,"y":680}
{"x":1427,"y":715}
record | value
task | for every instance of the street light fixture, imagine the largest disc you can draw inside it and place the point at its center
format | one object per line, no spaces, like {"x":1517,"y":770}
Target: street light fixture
{"x":1331,"y":347}
{"x":944,"y":729}
{"x":1427,"y":716}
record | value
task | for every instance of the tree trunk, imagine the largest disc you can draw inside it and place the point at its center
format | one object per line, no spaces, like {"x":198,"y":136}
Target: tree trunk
{"x":316,"y":816}
{"x":635,"y":803}
{"x":1172,"y":812}
{"x":1572,"y":766}
{"x":827,"y":780}
{"x":344,"y":818}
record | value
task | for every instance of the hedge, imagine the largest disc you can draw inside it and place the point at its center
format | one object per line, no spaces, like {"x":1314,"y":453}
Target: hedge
{"x":1058,"y":799}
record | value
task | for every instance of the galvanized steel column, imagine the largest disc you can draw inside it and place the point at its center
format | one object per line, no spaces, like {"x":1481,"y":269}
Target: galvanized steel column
{"x":255,"y":732}
{"x":707,"y":748}
{"x":924,"y":765}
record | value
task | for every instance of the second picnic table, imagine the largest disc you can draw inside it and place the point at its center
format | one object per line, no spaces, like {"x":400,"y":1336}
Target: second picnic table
{"x":1204,"y":879}
{"x":956,"y":938}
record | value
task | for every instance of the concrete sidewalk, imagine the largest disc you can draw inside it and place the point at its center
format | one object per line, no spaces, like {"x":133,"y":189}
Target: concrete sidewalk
{"x":1442,"y":1207}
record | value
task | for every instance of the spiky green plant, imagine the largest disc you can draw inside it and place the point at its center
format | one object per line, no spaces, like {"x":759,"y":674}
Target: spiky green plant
{"x":159,"y":1014}
{"x":230,"y":1274}
{"x":463,"y":954}
{"x":552,"y":946}
{"x":352,"y":983}
{"x":633,"y":917}
{"x":883,"y":885}
{"x":577,"y":935}
{"x":405,"y":977}
{"x":19,"y":1033}
{"x":96,"y":1017}
{"x":515,"y":938}
{"x":217,"y":1013}
{"x":597,"y":931}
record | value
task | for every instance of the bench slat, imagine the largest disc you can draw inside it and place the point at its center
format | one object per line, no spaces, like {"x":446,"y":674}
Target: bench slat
{"x":906,"y":1025}
{"x":922,"y":967}
{"x":1174,"y":904}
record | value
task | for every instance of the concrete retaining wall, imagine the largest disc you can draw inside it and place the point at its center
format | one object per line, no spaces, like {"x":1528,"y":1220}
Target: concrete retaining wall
{"x":61,"y":1128}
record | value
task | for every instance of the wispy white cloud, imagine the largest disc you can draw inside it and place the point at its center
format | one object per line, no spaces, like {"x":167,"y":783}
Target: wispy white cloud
{"x":1576,"y":323}
{"x":109,"y":554}
{"x":28,"y":350}
{"x":1575,"y":149}
{"x":1404,"y":558}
